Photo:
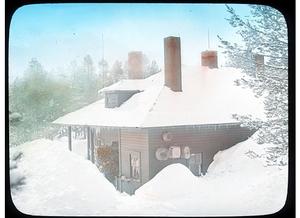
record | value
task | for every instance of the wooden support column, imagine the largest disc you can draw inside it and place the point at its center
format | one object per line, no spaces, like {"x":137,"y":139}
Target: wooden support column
{"x":120,"y":160}
{"x":119,"y":181}
{"x":93,"y":145}
{"x":70,"y":137}
{"x":88,"y":141}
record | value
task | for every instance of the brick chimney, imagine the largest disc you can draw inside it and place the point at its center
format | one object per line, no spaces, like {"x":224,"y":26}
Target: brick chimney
{"x":259,"y":63}
{"x":172,"y":63}
{"x":135,"y":65}
{"x":209,"y":59}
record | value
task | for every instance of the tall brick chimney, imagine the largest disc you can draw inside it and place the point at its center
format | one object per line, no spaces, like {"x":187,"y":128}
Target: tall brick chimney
{"x":135,"y":65}
{"x":259,"y":63}
{"x":172,"y":63}
{"x":209,"y":59}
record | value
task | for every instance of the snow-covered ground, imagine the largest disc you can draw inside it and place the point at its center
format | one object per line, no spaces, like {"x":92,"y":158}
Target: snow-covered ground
{"x":60,"y":182}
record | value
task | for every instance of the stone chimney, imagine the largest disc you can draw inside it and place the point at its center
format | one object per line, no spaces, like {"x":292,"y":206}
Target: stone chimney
{"x":172,"y":63}
{"x":135,"y":65}
{"x":209,"y":59}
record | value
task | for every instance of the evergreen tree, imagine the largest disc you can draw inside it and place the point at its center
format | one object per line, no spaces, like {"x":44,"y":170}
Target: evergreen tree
{"x":35,"y":101}
{"x":90,"y":80}
{"x":265,"y":33}
{"x":152,"y":69}
{"x":117,"y":72}
{"x":103,"y":72}
{"x":85,"y":82}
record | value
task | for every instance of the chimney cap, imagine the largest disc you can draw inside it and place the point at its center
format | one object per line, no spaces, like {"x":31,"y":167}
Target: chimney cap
{"x":209,"y":52}
{"x":135,"y":52}
{"x":171,"y":37}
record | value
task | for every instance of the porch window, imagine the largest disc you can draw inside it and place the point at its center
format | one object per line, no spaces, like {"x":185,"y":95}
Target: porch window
{"x":135,"y":166}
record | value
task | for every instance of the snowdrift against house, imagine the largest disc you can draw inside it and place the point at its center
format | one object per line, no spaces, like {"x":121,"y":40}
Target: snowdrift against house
{"x":209,"y":96}
{"x":235,"y":185}
{"x":167,"y":183}
{"x":59,"y":182}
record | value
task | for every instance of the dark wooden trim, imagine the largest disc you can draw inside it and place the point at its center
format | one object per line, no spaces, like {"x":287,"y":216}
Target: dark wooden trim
{"x":120,"y":157}
{"x":211,"y":125}
{"x":206,"y":126}
{"x":70,"y":137}
{"x":93,"y":145}
{"x":88,"y":142}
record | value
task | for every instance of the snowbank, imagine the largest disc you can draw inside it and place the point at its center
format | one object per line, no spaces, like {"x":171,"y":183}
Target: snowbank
{"x":79,"y":146}
{"x":168,"y":182}
{"x":234,"y":185}
{"x":59,"y":182}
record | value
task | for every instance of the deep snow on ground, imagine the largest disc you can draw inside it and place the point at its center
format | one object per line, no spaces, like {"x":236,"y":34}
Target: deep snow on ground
{"x":60,"y":182}
{"x":79,"y":146}
{"x":234,"y":185}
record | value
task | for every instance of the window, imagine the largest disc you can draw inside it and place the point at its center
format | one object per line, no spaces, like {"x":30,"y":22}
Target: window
{"x":135,"y":168}
{"x":114,"y":143}
{"x":174,"y":152}
{"x":111,"y":100}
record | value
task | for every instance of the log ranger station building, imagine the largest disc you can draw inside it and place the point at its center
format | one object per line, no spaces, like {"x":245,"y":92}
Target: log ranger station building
{"x":179,"y":115}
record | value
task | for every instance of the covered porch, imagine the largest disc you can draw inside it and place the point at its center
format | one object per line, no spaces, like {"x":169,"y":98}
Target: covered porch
{"x":95,"y":137}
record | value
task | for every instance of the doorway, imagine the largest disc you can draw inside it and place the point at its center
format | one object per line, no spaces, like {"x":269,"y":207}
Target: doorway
{"x":195,"y":164}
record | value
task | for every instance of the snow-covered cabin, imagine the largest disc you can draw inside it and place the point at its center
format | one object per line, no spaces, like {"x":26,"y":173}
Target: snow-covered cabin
{"x":179,"y":115}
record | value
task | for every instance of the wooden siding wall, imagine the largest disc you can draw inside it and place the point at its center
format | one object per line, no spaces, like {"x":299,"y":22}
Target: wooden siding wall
{"x":106,"y":135}
{"x":208,"y":139}
{"x":135,"y":139}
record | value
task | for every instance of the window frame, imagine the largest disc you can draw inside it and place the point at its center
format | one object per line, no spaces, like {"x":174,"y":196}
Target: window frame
{"x":137,"y":155}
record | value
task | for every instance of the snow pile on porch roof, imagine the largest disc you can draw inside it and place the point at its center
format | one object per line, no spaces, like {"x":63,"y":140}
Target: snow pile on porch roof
{"x":209,"y":96}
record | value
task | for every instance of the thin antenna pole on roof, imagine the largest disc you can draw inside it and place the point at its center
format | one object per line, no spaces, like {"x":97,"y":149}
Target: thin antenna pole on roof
{"x":102,"y":47}
{"x":208,"y":38}
{"x":102,"y":61}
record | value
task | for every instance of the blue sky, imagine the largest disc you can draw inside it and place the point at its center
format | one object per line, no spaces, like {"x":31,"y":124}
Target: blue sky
{"x":57,"y":34}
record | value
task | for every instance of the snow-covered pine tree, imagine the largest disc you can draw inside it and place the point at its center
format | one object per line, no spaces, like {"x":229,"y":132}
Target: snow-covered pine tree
{"x":103,"y":72}
{"x":265,"y":33}
{"x":117,"y":72}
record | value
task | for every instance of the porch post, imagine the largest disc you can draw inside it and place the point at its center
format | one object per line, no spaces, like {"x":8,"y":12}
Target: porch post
{"x":70,"y":137}
{"x":92,"y":145}
{"x":120,"y":164}
{"x":88,"y":142}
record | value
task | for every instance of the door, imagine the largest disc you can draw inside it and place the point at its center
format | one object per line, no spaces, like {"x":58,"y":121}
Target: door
{"x":131,"y":178}
{"x":195,"y":164}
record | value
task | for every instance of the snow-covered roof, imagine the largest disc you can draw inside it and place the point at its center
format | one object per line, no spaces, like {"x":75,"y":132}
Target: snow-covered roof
{"x":209,"y":96}
{"x":130,"y":84}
